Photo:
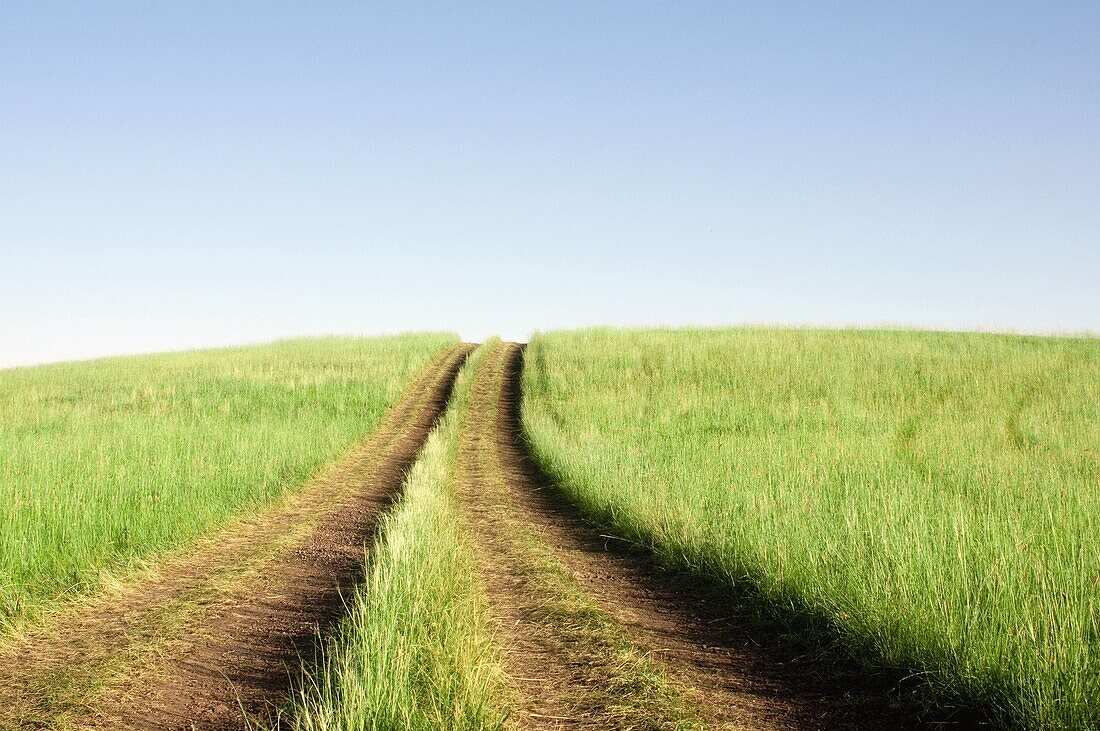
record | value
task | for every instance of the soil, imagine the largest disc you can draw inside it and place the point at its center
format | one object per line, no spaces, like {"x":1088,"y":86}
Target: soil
{"x":546,"y":669}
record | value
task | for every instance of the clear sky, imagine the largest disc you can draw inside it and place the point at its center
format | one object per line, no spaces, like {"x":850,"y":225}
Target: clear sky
{"x":184,"y":174}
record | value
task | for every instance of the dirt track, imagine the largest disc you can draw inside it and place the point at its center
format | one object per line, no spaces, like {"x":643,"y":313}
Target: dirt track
{"x":223,"y":628}
{"x":594,"y":635}
{"x":724,"y":675}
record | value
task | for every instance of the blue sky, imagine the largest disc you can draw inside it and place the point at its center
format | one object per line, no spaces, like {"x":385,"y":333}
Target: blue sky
{"x":183,"y":174}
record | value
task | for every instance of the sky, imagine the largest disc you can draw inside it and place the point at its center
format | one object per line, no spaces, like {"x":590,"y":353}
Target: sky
{"x":176,"y":175}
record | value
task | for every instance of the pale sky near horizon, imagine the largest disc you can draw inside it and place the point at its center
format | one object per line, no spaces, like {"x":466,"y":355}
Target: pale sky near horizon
{"x":175,"y":175}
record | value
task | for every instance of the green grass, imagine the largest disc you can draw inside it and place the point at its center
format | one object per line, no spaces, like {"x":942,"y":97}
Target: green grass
{"x":931,"y":500}
{"x":416,"y":651}
{"x":105,"y":464}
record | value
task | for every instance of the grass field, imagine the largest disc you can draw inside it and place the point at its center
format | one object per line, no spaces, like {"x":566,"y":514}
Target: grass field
{"x":105,"y":464}
{"x":930,"y":500}
{"x":926,"y":502}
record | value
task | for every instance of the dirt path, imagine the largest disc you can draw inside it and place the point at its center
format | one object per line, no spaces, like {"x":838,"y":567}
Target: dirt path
{"x":595,"y":636}
{"x":552,"y":649}
{"x":220,"y":631}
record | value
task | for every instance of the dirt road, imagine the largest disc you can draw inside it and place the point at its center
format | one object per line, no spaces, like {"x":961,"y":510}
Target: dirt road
{"x":593,"y":634}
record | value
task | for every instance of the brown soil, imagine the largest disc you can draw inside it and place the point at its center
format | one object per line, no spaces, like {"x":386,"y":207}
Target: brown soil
{"x":546,"y":665}
{"x":732,"y":675}
{"x":219,"y":633}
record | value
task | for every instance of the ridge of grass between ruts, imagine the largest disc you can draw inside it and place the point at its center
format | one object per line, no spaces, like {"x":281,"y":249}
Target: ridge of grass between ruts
{"x":415,"y":651}
{"x":929,"y":499}
{"x":109,"y":463}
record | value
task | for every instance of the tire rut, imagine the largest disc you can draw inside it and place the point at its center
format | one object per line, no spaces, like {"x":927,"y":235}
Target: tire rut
{"x":540,"y":664}
{"x":218,"y":634}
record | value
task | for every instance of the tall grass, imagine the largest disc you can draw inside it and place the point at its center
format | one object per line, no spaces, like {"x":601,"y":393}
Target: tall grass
{"x":931,"y":499}
{"x":106,"y":463}
{"x":415,"y":652}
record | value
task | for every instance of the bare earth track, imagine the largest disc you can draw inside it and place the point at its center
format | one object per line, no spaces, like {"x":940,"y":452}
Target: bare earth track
{"x":218,"y":633}
{"x":713,"y":666}
{"x":593,"y":634}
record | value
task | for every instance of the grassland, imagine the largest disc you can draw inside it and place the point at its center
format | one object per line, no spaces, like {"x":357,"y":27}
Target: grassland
{"x":416,"y":650}
{"x":929,"y":500}
{"x":107,"y":464}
